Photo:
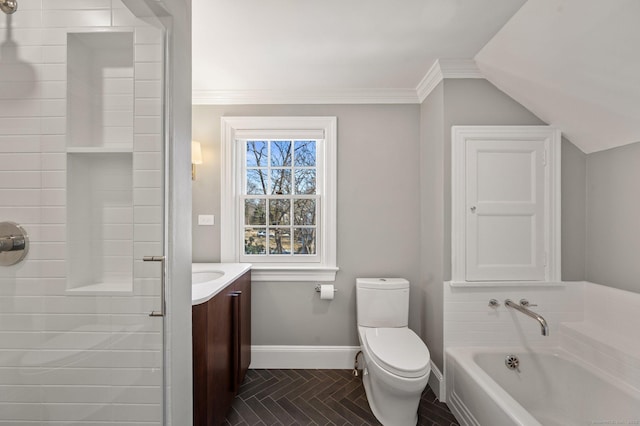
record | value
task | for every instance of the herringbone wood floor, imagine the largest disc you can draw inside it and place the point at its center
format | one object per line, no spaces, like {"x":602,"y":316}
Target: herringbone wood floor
{"x":316,"y":397}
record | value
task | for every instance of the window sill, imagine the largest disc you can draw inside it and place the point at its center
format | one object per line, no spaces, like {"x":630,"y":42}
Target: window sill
{"x":293,"y":273}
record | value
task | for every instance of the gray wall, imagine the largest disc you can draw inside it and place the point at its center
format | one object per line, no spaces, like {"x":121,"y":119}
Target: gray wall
{"x":613,"y":218}
{"x":470,"y":102}
{"x":378,"y":218}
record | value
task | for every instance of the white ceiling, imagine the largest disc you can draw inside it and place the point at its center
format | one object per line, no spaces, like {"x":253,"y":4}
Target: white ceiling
{"x":576,"y":65}
{"x":573,"y":63}
{"x":245,"y":46}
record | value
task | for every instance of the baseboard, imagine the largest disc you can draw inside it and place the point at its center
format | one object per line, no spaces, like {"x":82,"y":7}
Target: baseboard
{"x":436,"y":382}
{"x":298,"y":357}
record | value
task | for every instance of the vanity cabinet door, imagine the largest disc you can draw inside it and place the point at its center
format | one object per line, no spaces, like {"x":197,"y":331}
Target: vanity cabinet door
{"x":221,"y":351}
{"x":242,"y":286}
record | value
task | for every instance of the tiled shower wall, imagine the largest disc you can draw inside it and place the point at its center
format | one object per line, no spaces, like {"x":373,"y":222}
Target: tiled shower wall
{"x":70,"y":356}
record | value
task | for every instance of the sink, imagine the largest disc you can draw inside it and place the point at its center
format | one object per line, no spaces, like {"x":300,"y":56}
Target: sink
{"x":204,"y":276}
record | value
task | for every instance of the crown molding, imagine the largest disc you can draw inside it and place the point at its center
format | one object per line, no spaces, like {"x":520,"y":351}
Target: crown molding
{"x":441,"y":69}
{"x":332,"y":96}
{"x":446,"y":68}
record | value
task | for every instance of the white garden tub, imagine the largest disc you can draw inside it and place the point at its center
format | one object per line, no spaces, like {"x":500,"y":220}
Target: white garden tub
{"x":552,"y":388}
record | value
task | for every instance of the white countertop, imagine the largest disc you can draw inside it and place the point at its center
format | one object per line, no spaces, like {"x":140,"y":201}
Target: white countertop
{"x":204,"y":291}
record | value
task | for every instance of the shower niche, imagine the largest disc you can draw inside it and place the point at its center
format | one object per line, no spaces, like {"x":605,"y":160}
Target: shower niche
{"x":100,"y":134}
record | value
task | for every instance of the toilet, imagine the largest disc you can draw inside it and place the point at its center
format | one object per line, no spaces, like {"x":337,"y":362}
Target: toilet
{"x":396,"y":360}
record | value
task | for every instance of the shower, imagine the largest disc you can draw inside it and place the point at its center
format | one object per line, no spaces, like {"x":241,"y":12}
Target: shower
{"x":9,"y":6}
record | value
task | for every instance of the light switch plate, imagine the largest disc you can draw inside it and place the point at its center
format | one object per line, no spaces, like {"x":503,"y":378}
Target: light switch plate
{"x":206,"y":219}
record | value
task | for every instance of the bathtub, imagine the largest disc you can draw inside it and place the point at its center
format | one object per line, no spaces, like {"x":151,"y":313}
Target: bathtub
{"x":209,"y":279}
{"x":552,"y":388}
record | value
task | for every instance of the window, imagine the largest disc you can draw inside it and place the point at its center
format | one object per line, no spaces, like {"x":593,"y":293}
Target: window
{"x":279,"y":196}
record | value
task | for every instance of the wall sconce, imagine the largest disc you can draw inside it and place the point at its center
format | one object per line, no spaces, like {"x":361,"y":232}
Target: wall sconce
{"x":196,"y":157}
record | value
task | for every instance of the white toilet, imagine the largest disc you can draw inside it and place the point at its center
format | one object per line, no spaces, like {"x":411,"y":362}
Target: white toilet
{"x":397,"y":367}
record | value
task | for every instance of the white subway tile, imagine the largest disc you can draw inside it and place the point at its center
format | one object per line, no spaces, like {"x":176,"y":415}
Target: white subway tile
{"x":152,"y":143}
{"x":76,"y":4}
{"x":76,"y":18}
{"x":147,"y":161}
{"x":53,"y":89}
{"x":24,"y":19}
{"x":27,"y":161}
{"x":117,"y":86}
{"x":118,"y":102}
{"x":22,"y":412}
{"x":18,"y":179}
{"x":148,"y":71}
{"x":148,"y":89}
{"x":146,"y":179}
{"x":19,"y":108}
{"x":53,"y":125}
{"x":54,"y":36}
{"x":147,"y":214}
{"x":54,"y":161}
{"x":148,"y":233}
{"x":54,"y":54}
{"x":148,"y":52}
{"x":53,"y":72}
{"x":146,"y":125}
{"x":20,"y":126}
{"x":118,"y":118}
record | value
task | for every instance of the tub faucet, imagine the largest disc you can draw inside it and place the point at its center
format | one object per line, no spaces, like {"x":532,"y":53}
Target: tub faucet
{"x":522,"y":307}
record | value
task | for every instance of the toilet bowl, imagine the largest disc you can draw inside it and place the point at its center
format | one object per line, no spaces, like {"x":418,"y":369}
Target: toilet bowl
{"x":396,"y":361}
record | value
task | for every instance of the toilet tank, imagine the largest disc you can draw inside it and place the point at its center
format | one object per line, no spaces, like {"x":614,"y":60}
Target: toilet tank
{"x":382,"y":302}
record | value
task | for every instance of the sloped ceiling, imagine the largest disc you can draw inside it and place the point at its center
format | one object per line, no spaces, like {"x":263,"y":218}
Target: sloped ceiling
{"x":241,"y":48}
{"x":575,"y":64}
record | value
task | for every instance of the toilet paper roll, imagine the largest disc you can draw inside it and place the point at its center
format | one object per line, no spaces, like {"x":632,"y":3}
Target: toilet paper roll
{"x":327,"y":292}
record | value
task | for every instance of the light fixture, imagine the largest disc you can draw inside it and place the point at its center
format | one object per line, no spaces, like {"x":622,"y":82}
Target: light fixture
{"x":196,"y":157}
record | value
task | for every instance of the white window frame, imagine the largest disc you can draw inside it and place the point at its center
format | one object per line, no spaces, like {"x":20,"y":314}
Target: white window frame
{"x":231,"y":220}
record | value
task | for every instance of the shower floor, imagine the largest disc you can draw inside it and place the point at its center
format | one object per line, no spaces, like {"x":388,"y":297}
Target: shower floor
{"x":316,"y":397}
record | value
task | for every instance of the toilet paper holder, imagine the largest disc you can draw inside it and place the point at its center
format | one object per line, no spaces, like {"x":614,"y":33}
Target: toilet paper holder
{"x":318,"y":288}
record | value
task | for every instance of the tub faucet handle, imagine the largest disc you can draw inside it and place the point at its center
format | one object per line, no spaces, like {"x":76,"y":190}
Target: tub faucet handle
{"x":525,"y":302}
{"x":493,"y":303}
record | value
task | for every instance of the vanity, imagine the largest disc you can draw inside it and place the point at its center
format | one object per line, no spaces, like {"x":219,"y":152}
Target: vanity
{"x":221,"y":318}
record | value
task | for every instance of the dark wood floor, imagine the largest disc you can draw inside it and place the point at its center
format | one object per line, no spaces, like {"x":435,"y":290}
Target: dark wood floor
{"x":316,"y":397}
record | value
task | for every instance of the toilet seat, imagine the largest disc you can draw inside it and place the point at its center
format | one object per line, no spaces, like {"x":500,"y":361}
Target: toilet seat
{"x":398,"y":350}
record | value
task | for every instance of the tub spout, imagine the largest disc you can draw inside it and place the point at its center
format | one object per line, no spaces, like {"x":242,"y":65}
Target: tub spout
{"x":544,"y":328}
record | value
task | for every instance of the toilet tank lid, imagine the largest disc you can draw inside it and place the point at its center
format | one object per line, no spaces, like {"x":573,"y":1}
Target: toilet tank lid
{"x":382,"y":283}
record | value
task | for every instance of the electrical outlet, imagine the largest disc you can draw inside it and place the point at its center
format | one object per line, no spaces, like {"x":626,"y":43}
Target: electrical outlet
{"x":206,"y":219}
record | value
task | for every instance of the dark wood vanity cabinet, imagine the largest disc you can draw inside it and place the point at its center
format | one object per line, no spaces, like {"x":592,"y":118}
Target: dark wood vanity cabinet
{"x":221,"y":350}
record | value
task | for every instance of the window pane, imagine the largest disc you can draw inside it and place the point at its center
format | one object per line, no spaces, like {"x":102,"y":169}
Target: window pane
{"x":281,"y":153}
{"x":306,"y":181}
{"x":280,"y":241}
{"x":255,"y":211}
{"x":304,"y":212}
{"x":257,"y":181}
{"x":304,"y":240}
{"x":279,"y":212}
{"x":257,"y":154}
{"x":305,"y":153}
{"x":280,"y":181}
{"x":255,"y":241}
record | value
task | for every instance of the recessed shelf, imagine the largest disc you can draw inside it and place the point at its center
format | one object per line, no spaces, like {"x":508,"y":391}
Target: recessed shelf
{"x":110,"y":288}
{"x":114,"y":149}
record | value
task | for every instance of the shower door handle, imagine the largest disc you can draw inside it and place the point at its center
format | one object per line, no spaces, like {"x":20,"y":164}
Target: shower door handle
{"x":160,"y":259}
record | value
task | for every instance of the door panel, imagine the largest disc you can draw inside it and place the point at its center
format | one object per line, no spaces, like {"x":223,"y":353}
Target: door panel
{"x":505,"y":200}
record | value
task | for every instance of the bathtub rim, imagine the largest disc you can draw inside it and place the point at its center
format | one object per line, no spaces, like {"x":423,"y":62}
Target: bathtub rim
{"x":464,"y":357}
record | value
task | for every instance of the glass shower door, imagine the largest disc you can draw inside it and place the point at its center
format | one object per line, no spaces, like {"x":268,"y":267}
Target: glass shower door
{"x":82,"y":171}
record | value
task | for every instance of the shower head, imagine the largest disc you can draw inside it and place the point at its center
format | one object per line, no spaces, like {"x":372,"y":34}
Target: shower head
{"x":9,"y":6}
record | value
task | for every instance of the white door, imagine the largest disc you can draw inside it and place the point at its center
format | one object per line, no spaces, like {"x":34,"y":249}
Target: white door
{"x":505,"y":210}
